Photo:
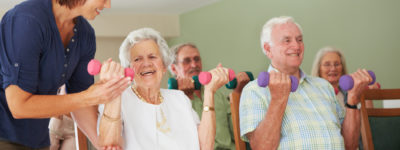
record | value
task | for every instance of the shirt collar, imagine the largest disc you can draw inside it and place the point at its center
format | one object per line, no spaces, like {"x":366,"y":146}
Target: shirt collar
{"x":303,"y":76}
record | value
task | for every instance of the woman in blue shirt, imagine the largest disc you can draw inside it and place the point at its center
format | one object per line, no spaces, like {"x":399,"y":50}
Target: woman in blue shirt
{"x":43,"y":45}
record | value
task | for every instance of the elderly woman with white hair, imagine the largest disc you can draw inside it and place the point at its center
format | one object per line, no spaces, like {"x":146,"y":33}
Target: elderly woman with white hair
{"x":150,"y":117}
{"x":329,"y":63}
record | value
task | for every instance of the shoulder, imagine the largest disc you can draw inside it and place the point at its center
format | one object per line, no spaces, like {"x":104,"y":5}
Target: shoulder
{"x":317,"y":81}
{"x":34,"y":9}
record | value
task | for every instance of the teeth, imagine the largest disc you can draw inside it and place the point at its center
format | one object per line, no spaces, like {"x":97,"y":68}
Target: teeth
{"x":147,"y":72}
{"x":294,"y":55}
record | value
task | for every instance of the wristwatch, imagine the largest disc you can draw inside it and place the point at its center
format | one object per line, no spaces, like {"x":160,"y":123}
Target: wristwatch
{"x":352,"y":106}
{"x":208,"y":108}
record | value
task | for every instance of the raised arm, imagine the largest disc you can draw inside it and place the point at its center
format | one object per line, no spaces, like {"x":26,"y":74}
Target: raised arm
{"x":267,"y":134}
{"x":23,"y":104}
{"x":207,"y":125}
{"x":351,"y":124}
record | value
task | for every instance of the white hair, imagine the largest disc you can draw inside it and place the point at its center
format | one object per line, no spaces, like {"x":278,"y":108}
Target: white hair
{"x":176,"y":49}
{"x":315,"y":70}
{"x":270,"y":24}
{"x":139,"y":35}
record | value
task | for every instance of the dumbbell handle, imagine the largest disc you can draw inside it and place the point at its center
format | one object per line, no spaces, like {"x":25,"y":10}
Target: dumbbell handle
{"x":232,"y":84}
{"x":346,"y":82}
{"x":173,"y":83}
{"x":205,"y":77}
{"x":263,"y":81}
{"x":94,"y":67}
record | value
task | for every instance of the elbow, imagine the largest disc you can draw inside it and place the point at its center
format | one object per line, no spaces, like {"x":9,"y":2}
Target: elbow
{"x":16,"y":114}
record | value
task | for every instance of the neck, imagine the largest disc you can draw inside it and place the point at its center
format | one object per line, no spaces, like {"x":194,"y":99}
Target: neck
{"x":294,"y":71}
{"x":335,"y":85}
{"x":63,"y":14}
{"x":150,"y":95}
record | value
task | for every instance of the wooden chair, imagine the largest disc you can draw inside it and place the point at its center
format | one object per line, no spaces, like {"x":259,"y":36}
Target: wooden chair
{"x":380,"y":127}
{"x":81,"y":140}
{"x":235,"y":99}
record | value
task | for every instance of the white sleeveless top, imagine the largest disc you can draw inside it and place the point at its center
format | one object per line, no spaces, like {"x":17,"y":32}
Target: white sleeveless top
{"x":171,"y":125}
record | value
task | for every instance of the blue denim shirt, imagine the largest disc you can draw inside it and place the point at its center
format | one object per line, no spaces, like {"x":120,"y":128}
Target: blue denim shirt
{"x":33,"y":57}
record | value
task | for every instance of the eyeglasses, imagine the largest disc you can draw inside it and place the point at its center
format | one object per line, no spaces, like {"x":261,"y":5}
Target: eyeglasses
{"x":187,"y":61}
{"x":329,"y":65}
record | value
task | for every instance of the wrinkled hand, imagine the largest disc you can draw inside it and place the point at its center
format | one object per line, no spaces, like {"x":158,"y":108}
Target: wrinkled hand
{"x":111,"y":84}
{"x":242,"y":79}
{"x":185,"y":84}
{"x":361,"y":80}
{"x":219,"y":78}
{"x":376,"y":85}
{"x":279,"y":85}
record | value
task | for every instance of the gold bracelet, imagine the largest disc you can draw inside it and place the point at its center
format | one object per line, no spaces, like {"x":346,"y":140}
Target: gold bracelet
{"x":110,"y":118}
{"x":208,"y":108}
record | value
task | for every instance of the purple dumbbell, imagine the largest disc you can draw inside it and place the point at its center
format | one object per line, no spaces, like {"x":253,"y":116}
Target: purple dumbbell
{"x":263,"y":81}
{"x":346,"y":82}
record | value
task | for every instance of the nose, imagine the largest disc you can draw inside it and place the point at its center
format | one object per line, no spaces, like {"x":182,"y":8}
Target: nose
{"x":296,"y":44}
{"x":194,"y":63}
{"x":107,"y":4}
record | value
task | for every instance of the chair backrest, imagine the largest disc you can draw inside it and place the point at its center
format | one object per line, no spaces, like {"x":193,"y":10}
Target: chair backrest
{"x":80,"y":139}
{"x":380,"y":127}
{"x":235,"y":99}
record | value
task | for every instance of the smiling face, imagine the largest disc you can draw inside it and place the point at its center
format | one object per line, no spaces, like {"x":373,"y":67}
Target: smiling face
{"x":91,"y":8}
{"x":286,"y":52}
{"x":147,"y":63}
{"x":331,"y":67}
{"x":188,"y":62}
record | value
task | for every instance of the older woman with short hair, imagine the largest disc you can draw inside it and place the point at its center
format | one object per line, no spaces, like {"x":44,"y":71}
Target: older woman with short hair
{"x":148,"y":116}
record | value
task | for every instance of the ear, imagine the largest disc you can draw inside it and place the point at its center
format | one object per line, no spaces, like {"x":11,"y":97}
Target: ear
{"x":173,"y":68}
{"x":267,"y":49}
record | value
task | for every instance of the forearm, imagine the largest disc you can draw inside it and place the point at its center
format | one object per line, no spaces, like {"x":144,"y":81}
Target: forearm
{"x":86,"y":119}
{"x":268,"y":133}
{"x":351,"y":128}
{"x":110,"y":124}
{"x":207,"y":125}
{"x":25,"y":105}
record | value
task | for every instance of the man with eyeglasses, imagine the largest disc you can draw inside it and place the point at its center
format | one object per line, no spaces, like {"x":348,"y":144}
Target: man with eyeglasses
{"x":187,"y":63}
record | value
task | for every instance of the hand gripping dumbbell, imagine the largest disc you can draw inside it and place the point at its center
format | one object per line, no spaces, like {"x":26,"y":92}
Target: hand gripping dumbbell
{"x":232,"y":84}
{"x":263,"y":81}
{"x":346,"y":82}
{"x":173,"y":84}
{"x":205,"y":77}
{"x":94,"y":67}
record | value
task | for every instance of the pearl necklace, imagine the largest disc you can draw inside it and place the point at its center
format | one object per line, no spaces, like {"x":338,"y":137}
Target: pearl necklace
{"x":160,"y":98}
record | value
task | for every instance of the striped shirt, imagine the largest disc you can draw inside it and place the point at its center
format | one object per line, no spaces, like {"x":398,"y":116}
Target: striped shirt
{"x":312,"y":119}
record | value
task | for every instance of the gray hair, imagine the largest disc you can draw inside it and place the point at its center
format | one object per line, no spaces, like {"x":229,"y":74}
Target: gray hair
{"x":139,"y":35}
{"x":270,"y":24}
{"x":176,"y":49}
{"x":318,"y":58}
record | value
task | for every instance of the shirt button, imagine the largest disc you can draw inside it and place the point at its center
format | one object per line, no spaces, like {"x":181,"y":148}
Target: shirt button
{"x":67,"y":49}
{"x":73,"y":40}
{"x":16,"y":65}
{"x":74,"y":29}
{"x":63,"y":75}
{"x":65,"y":65}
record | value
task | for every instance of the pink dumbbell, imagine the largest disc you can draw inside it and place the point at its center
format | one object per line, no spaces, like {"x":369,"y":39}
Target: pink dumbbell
{"x":205,"y":77}
{"x":94,"y":67}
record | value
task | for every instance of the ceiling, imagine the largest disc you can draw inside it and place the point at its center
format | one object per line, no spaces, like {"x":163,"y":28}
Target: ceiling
{"x":139,"y":6}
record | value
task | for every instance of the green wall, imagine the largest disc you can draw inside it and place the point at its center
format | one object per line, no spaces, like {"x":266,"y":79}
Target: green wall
{"x":367,"y":31}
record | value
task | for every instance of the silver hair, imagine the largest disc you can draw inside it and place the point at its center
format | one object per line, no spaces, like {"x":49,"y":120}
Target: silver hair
{"x":270,"y":24}
{"x":318,"y":58}
{"x":175,"y":49}
{"x":139,"y":35}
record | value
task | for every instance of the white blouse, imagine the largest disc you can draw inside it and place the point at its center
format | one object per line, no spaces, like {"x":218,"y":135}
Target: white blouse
{"x":171,"y":125}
